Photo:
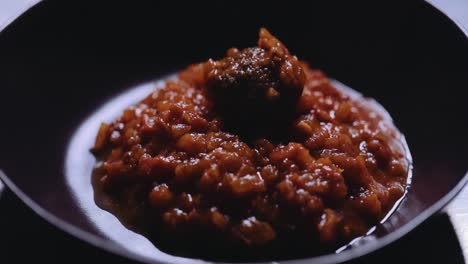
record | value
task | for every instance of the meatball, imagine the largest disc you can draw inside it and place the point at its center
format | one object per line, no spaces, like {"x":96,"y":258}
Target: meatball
{"x":253,"y":84}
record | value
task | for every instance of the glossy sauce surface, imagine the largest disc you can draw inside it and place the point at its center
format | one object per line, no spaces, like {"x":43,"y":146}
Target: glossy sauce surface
{"x":252,"y":152}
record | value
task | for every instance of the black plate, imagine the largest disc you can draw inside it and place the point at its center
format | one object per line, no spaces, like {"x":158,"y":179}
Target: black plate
{"x":61,"y":62}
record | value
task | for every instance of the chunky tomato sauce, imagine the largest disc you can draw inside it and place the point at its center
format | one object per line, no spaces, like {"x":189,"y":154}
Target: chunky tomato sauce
{"x":251,"y":151}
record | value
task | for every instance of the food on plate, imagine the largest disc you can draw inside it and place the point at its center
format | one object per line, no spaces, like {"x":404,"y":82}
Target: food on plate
{"x":252,"y":150}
